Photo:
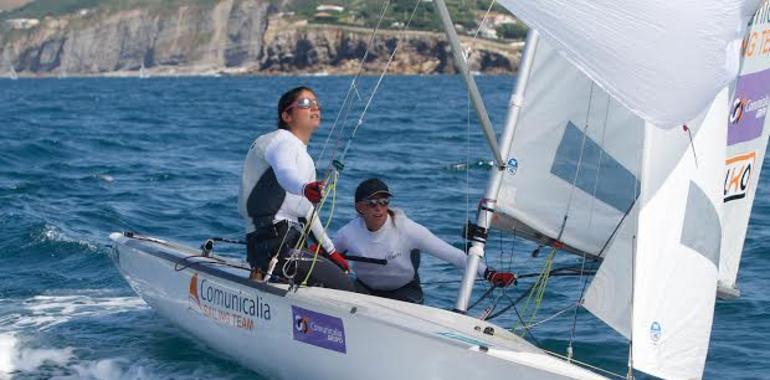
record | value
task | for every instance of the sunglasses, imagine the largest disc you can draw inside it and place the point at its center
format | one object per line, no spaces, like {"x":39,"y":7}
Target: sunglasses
{"x":304,"y":103}
{"x":377,"y":202}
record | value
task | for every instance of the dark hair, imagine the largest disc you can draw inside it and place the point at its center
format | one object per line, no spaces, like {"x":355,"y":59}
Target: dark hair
{"x":286,"y":100}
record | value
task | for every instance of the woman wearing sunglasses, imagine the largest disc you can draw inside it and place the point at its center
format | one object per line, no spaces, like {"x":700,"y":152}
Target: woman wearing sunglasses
{"x":386,"y":245}
{"x":279,"y":188}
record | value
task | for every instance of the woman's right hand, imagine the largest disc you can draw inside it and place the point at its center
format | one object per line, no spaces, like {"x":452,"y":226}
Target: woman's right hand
{"x":338,"y":259}
{"x":313,"y":191}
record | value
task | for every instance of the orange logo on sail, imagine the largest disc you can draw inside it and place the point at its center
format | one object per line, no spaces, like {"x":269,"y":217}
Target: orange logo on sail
{"x":193,"y":290}
{"x":738,"y":176}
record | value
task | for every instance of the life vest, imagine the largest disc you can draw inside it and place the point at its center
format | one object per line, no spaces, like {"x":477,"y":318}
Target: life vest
{"x":261,"y":196}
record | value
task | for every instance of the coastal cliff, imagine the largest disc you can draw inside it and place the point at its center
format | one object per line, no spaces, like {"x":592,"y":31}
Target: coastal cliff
{"x":225,"y":37}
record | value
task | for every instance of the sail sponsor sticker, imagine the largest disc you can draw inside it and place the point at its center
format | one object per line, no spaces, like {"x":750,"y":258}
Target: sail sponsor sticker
{"x":749,"y":107}
{"x":225,"y":305}
{"x":318,"y":329}
{"x":738,"y":175}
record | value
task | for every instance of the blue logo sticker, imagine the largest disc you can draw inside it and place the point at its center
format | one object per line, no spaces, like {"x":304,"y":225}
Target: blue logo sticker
{"x":513,"y":166}
{"x":655,"y":332}
{"x":318,"y":329}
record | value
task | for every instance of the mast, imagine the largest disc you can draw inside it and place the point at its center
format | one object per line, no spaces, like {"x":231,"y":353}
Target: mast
{"x":470,"y":83}
{"x":487,"y":204}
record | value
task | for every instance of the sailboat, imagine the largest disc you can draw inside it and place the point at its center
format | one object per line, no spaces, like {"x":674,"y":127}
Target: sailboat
{"x":12,"y":72}
{"x":142,"y":72}
{"x":614,"y":149}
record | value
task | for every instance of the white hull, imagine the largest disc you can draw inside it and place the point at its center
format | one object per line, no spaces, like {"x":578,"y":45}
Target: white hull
{"x":322,"y":333}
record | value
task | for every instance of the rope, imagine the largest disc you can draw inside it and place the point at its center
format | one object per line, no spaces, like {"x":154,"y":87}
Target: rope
{"x":537,"y":291}
{"x":558,"y":313}
{"x":326,"y":226}
{"x":528,"y":331}
{"x":482,"y":297}
{"x":335,"y":166}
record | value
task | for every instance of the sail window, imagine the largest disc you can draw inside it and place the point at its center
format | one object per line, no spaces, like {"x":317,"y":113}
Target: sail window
{"x":702,"y":230}
{"x":600,"y":174}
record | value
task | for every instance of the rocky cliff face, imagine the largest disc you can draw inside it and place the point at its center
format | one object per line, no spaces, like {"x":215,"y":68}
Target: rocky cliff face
{"x":335,"y":49}
{"x":233,"y":36}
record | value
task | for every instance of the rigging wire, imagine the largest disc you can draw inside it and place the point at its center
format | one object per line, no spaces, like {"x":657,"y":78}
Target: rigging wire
{"x":336,"y":166}
{"x":583,"y":282}
{"x":330,"y":172}
{"x":374,"y":91}
{"x":353,"y":88}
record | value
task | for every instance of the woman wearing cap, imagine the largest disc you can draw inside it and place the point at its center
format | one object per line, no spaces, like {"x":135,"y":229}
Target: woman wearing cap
{"x":387,"y":235}
{"x":279,"y":187}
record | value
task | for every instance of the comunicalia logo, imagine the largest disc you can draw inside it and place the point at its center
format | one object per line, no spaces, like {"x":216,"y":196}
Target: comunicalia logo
{"x":301,"y":324}
{"x":736,"y":113}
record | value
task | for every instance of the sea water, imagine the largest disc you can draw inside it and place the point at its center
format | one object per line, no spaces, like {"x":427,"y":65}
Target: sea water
{"x":80,"y":158}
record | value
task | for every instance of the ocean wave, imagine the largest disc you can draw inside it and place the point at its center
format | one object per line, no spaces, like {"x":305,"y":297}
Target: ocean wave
{"x":60,"y":363}
{"x":45,"y":311}
{"x":51,"y":233}
{"x":14,"y":358}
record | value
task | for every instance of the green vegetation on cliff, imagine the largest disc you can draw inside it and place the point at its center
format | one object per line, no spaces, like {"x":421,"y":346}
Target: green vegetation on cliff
{"x":54,"y":8}
{"x":364,"y":13}
{"x":367,"y":12}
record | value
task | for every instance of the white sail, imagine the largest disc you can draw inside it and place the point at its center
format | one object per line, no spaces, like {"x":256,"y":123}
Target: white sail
{"x":578,"y":154}
{"x":663,"y":60}
{"x":11,"y":71}
{"x":678,"y":244}
{"x":746,"y":144}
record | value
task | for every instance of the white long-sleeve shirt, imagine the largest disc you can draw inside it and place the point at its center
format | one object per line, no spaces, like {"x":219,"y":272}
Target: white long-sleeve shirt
{"x":393,"y":242}
{"x":292,"y":166}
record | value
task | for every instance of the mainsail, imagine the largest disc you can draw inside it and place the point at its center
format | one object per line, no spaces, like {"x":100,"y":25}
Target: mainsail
{"x":746,"y":144}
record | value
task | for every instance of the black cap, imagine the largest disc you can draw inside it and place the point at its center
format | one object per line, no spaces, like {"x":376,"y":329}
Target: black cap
{"x":371,"y":187}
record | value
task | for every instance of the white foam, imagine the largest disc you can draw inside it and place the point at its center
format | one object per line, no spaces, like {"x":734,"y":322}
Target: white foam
{"x":106,"y":178}
{"x":42,"y":312}
{"x":14,"y":358}
{"x":105,"y":369}
{"x":54,"y":234}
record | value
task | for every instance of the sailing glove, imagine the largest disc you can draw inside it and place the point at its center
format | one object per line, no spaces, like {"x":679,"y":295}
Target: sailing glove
{"x":335,"y":257}
{"x":314,"y":247}
{"x":313,"y":191}
{"x":501,"y":279}
{"x":338,"y":259}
